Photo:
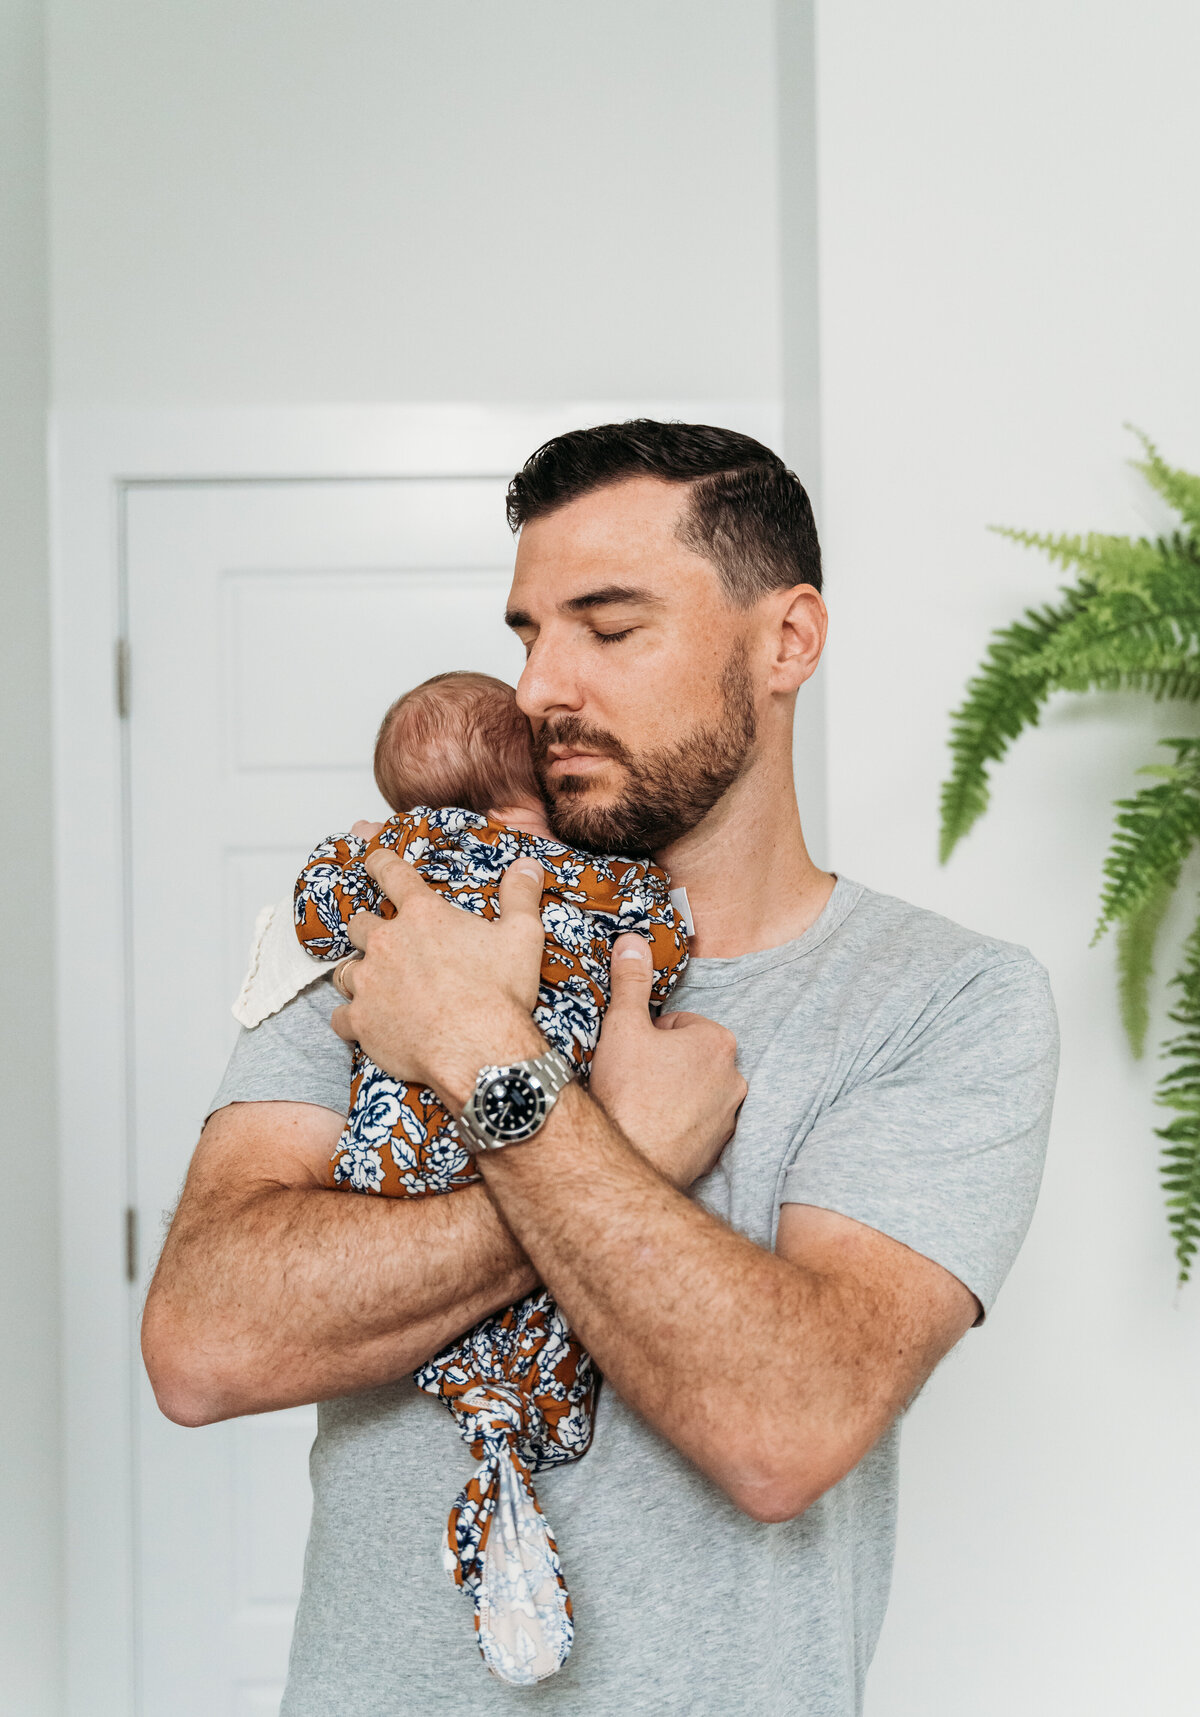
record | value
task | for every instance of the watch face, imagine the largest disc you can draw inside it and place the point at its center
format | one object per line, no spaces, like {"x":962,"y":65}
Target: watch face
{"x":511,"y":1105}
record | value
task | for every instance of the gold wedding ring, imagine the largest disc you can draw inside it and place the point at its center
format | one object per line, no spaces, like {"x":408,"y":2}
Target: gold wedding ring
{"x":339,"y":982}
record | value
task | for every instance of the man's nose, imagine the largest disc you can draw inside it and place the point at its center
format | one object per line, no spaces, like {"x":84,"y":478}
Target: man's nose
{"x":548,"y":685}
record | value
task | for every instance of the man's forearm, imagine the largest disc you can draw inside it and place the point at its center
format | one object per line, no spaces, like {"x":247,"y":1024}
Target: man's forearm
{"x":279,"y":1295}
{"x":760,"y":1371}
{"x":773,"y":1373}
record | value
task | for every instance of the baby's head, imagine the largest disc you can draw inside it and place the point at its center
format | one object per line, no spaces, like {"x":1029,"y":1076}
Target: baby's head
{"x":459,"y":739}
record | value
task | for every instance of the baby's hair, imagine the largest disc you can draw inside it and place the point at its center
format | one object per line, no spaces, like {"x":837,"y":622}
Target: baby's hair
{"x":457,"y":739}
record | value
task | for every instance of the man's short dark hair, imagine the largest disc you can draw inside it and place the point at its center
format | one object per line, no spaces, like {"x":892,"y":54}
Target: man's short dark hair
{"x":747,"y":513}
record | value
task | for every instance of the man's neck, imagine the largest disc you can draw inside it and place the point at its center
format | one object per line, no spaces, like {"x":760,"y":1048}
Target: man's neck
{"x":750,"y":881}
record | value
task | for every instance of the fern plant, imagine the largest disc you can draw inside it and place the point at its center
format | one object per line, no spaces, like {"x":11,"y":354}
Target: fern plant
{"x":1129,"y":621}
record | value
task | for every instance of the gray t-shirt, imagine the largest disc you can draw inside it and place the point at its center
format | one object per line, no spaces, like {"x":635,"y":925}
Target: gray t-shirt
{"x":901,"y":1071}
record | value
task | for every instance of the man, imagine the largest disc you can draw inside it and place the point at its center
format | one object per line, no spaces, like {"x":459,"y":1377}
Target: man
{"x":763,"y":1312}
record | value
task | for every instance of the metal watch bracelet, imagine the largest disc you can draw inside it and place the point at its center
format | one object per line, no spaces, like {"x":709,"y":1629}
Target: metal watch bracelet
{"x":510,"y":1102}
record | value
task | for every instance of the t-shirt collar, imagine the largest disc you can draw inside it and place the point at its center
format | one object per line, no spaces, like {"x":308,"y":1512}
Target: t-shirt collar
{"x":704,"y":971}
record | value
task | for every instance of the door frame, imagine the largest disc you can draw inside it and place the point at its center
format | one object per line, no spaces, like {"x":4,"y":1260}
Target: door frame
{"x":96,"y":457}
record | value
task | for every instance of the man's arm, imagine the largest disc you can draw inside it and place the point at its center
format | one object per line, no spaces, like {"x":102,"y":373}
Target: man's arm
{"x":273,"y":1290}
{"x":773,"y":1372}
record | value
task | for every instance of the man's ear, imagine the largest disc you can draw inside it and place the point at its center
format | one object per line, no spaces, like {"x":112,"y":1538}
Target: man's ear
{"x":800,"y":623}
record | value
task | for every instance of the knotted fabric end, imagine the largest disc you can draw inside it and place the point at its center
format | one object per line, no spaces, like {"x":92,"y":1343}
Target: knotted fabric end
{"x":511,"y":1572}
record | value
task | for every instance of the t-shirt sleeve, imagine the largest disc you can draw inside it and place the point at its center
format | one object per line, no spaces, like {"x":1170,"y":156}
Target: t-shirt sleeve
{"x":295,"y":1056}
{"x":942,"y":1146}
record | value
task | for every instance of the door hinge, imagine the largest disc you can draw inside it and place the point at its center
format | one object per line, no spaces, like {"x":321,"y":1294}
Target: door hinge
{"x":131,"y":1244}
{"x":121,"y":676}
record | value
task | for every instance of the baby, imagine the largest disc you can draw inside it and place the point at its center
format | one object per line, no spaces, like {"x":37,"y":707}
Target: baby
{"x":454,"y":760}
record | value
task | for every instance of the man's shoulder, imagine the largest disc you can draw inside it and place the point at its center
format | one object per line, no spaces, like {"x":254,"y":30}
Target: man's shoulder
{"x":922,"y":960}
{"x":918,"y":991}
{"x":888,"y":934}
{"x":293,"y":1056}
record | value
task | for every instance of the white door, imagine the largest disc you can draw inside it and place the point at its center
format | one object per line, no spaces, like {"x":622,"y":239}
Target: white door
{"x":270,"y":624}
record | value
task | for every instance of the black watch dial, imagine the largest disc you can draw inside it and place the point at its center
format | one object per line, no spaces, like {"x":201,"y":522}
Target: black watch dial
{"x":512,"y":1105}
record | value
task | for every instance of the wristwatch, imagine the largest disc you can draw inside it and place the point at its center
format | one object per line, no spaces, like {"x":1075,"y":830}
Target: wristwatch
{"x":510,"y":1104}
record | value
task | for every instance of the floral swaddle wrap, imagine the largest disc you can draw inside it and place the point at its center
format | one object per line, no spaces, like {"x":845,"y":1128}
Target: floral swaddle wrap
{"x":521,"y":1388}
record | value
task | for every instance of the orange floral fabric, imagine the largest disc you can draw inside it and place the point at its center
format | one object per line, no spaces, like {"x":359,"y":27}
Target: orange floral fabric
{"x":519,"y":1385}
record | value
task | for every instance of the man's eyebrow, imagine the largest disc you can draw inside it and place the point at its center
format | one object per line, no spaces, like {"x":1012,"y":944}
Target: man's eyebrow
{"x":607,"y":596}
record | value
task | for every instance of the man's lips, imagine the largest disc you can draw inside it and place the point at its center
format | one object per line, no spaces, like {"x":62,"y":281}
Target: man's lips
{"x":563,"y":761}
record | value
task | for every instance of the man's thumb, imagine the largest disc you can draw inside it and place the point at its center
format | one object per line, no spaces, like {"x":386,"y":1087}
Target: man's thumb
{"x":520,"y":891}
{"x":632,"y":972}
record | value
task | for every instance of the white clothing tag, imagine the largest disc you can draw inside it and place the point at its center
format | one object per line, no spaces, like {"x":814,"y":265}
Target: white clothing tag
{"x":679,"y":900}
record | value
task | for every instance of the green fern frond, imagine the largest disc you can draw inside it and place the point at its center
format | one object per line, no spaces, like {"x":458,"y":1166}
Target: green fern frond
{"x":1179,"y":1090}
{"x":1000,"y":703}
{"x":1111,"y":563}
{"x":1131,"y":622}
{"x":1122,"y":633}
{"x":1178,"y":684}
{"x":1180,"y":489}
{"x":1155,"y":832}
{"x":1137,"y":937}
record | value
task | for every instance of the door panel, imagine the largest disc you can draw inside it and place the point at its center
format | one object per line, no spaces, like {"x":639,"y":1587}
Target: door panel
{"x":270,"y":625}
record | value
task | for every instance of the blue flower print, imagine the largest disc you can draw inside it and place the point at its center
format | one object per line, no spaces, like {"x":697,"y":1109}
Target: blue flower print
{"x":449,"y":819}
{"x":521,"y":1388}
{"x":568,"y":926}
{"x":569,"y":1018}
{"x":359,"y":1165}
{"x":488,"y":863}
{"x":379,"y":1106}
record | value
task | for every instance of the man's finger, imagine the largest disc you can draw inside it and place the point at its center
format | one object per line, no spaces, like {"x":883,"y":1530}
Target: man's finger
{"x":359,"y":928}
{"x":398,"y":880}
{"x":341,"y":976}
{"x":339,"y":1019}
{"x":521,"y":887}
{"x":364,"y":831}
{"x":520,"y":900}
{"x":669,"y":1022}
{"x":632,"y":974}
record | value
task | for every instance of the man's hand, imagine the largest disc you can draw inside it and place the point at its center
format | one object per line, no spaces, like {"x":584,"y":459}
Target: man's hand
{"x":671,"y":1084}
{"x":441,"y":992}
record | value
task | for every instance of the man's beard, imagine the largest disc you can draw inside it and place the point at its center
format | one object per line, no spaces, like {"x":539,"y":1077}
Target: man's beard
{"x":669,"y":791}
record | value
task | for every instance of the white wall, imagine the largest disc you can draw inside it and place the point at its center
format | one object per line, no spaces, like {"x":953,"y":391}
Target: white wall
{"x":393,"y":200}
{"x":30,"y":1514}
{"x":385,"y":200}
{"x":1008,"y":271}
{"x":390,"y":200}
{"x":373,"y":200}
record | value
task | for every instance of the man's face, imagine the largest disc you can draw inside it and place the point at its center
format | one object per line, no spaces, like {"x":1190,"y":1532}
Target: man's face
{"x":638,"y":683}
